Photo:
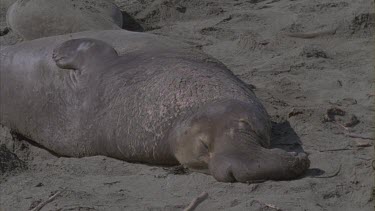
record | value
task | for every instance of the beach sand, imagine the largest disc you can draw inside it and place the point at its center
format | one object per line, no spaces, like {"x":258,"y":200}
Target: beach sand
{"x":305,"y":59}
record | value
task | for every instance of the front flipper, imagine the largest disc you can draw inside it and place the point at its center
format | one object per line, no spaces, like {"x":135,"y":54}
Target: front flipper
{"x":81,"y":53}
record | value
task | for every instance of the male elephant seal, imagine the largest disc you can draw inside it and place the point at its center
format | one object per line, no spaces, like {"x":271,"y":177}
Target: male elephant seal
{"x":154,"y":104}
{"x":33,"y":19}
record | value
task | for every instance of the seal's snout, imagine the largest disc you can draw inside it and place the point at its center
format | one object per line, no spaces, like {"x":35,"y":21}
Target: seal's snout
{"x":76,"y":53}
{"x":57,"y":58}
{"x":300,"y":165}
{"x":259,"y":165}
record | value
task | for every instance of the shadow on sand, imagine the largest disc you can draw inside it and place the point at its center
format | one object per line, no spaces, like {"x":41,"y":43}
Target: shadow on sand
{"x":284,"y":137}
{"x":130,"y":24}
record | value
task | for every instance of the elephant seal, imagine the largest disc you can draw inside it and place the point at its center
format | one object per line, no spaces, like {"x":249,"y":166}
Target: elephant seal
{"x":33,"y":19}
{"x":142,"y":101}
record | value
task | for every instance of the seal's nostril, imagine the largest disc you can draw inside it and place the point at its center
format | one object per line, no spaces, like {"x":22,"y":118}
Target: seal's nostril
{"x":231,"y":176}
{"x":293,"y":153}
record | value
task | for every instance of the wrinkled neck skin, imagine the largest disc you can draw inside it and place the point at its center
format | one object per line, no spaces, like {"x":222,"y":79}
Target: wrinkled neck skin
{"x":88,"y":63}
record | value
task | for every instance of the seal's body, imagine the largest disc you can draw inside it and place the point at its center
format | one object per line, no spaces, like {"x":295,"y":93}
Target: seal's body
{"x":34,"y":19}
{"x":143,"y":102}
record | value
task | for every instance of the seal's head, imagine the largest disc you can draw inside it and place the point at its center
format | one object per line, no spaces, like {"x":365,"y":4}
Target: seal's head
{"x":230,"y":140}
{"x":78,"y":53}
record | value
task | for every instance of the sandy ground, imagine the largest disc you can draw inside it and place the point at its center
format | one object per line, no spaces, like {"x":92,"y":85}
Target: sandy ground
{"x":303,"y":58}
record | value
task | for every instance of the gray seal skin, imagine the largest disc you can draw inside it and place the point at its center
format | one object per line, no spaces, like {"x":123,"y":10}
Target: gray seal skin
{"x":5,"y":4}
{"x":33,"y":19}
{"x":142,"y":101}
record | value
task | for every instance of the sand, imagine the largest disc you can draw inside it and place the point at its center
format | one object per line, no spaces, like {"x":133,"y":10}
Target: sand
{"x":306,"y":60}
